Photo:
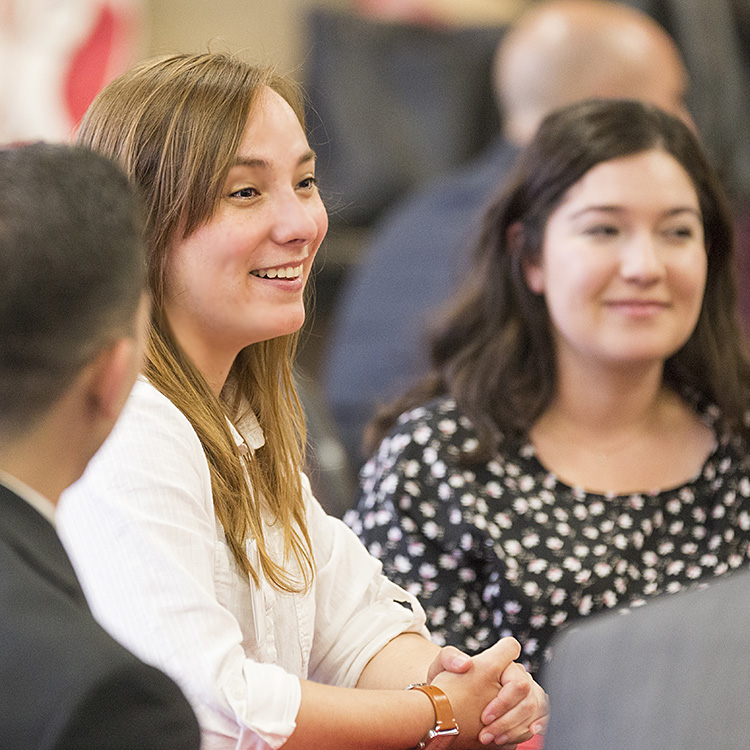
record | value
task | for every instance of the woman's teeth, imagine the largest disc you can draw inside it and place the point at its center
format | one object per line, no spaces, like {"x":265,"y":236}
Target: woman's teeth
{"x":288,"y":272}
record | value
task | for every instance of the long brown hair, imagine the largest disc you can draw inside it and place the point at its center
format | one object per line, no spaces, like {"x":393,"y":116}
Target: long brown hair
{"x":175,"y":124}
{"x":494,"y":350}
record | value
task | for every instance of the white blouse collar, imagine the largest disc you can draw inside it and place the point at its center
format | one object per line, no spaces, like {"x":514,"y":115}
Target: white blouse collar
{"x":248,"y":432}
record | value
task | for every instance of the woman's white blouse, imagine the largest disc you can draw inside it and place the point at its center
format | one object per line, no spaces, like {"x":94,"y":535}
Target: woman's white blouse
{"x":154,"y":564}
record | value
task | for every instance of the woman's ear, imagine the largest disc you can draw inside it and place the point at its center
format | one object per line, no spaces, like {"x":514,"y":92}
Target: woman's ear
{"x":533,"y":271}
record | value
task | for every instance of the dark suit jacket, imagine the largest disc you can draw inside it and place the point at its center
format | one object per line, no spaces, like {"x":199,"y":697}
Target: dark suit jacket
{"x":673,"y":674}
{"x":64,"y":682}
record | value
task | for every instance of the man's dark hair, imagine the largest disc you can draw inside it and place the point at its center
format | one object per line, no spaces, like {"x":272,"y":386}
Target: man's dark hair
{"x":72,"y":270}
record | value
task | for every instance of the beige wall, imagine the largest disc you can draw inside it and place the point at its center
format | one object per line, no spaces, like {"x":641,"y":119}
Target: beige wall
{"x":265,"y":31}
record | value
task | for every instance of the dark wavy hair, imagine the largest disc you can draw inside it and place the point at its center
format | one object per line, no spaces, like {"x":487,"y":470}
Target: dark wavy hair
{"x":493,"y":350}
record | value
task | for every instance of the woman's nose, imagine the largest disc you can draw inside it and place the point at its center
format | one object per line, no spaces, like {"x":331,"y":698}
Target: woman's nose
{"x":641,"y":259}
{"x":295,"y":220}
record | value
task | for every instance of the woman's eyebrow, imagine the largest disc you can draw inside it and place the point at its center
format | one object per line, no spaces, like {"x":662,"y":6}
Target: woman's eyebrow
{"x":260,"y":163}
{"x":595,"y":209}
{"x":616,"y":209}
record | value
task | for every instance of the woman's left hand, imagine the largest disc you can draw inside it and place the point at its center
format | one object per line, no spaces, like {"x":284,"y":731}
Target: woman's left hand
{"x":449,"y":659}
{"x":521,"y":704}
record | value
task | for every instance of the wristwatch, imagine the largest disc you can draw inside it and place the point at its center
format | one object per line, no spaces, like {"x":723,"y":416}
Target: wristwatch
{"x":446,"y":728}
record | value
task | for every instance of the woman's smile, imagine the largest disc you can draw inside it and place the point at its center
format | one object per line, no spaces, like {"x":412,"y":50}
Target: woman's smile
{"x":290,"y":273}
{"x":637,"y":308}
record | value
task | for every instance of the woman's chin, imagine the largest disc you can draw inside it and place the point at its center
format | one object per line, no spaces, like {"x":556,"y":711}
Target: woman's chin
{"x":277,"y":327}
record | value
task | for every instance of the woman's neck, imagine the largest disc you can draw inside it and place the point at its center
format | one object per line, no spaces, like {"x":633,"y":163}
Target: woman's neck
{"x":607,"y":401}
{"x":213,"y":358}
{"x":604,"y":431}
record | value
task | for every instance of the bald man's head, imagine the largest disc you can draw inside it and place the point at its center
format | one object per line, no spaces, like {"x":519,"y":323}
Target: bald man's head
{"x":562,"y":51}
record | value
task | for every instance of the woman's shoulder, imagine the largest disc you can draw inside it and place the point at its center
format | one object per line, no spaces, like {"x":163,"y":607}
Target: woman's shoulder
{"x":152,"y":452}
{"x":440,"y":414}
{"x":145,"y":396}
{"x":148,"y":407}
{"x":438,"y":425}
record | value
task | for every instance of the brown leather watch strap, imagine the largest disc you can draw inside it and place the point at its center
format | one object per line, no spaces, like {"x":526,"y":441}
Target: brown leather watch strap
{"x":446,"y":727}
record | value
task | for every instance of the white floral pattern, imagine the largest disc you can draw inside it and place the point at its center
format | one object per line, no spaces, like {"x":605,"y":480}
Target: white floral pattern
{"x":507,"y":549}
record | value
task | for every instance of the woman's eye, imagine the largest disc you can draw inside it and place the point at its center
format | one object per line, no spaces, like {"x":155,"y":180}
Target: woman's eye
{"x":602,"y":231}
{"x":246,"y":192}
{"x":680,"y":233}
{"x":308,"y":183}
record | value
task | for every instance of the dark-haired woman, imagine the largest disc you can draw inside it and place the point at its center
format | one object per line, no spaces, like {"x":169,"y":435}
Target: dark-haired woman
{"x":581,"y":443}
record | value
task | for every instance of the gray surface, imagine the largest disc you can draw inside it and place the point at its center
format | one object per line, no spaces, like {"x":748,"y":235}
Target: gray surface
{"x":672,"y":675}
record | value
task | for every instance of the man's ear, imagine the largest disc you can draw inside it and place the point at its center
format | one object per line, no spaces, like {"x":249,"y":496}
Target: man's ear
{"x":111,"y":377}
{"x":533,"y":271}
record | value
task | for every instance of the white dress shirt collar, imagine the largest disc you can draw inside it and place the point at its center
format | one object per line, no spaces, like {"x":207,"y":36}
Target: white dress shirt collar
{"x":36,"y":500}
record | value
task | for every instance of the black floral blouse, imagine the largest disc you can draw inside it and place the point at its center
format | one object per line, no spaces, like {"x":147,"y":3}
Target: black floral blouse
{"x":507,"y":549}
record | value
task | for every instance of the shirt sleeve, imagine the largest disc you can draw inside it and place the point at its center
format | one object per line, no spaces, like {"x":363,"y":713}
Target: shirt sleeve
{"x":140,"y":529}
{"x":358,"y":610}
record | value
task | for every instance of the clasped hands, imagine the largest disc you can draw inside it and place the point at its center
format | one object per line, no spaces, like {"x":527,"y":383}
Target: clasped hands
{"x":515,"y":706}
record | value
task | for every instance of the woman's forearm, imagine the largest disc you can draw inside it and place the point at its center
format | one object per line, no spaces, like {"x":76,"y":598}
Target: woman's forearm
{"x":401,"y":662}
{"x":348,"y":719}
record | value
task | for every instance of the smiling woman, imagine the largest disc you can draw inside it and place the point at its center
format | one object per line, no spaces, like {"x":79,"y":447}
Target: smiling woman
{"x":582,"y":442}
{"x":263,"y":235}
{"x":194,"y":533}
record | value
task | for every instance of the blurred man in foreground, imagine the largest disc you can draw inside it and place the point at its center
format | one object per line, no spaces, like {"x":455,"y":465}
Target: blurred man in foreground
{"x":72,"y":328}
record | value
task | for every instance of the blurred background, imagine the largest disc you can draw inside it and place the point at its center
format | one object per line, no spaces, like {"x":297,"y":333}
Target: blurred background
{"x":399,"y":93}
